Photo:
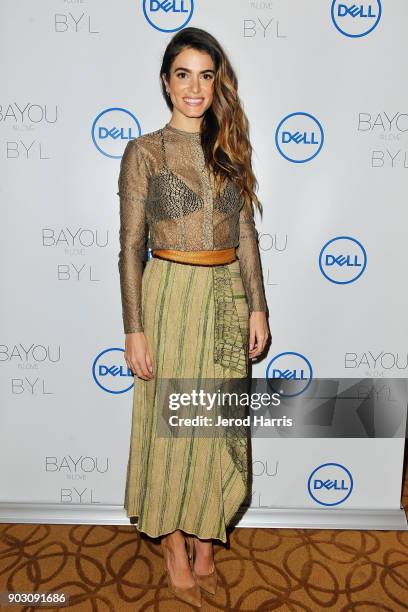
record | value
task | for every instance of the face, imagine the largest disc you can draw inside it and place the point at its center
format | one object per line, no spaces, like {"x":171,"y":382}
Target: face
{"x":191,"y":83}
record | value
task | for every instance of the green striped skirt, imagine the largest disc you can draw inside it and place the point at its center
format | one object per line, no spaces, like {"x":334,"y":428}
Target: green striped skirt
{"x":196,"y":322}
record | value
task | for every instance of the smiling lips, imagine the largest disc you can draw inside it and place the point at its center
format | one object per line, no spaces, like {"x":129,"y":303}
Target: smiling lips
{"x":193,"y":101}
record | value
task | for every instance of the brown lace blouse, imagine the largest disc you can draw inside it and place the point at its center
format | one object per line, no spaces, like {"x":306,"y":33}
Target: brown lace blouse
{"x":167,"y":200}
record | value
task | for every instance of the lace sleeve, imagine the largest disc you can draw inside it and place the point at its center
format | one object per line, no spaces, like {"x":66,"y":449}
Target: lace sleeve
{"x":249,"y":260}
{"x":133,"y":189}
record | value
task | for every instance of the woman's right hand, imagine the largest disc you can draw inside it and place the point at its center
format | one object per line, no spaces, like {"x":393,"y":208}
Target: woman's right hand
{"x":137,"y":355}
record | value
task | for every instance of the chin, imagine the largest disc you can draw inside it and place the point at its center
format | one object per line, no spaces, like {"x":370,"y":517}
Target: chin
{"x":194,"y":113}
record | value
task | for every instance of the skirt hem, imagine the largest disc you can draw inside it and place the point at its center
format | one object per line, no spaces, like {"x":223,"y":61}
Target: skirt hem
{"x":201,"y":536}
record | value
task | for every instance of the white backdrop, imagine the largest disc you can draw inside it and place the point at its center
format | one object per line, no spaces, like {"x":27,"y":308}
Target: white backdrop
{"x":324,"y":89}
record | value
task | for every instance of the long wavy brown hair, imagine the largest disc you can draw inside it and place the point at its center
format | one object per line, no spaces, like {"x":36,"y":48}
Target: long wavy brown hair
{"x":225,"y":130}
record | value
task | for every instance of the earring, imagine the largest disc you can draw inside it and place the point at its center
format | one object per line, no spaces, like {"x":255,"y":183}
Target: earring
{"x":167,"y":92}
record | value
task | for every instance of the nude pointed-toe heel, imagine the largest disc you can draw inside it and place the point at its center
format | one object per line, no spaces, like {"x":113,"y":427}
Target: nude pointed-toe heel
{"x":207,"y":582}
{"x":191,"y":595}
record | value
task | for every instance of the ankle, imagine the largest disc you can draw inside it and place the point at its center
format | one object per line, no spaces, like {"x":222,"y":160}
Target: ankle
{"x":204,"y":547}
{"x":204,"y":554}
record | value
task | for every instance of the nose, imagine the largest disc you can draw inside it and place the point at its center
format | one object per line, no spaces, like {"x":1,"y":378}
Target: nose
{"x":195,"y":84}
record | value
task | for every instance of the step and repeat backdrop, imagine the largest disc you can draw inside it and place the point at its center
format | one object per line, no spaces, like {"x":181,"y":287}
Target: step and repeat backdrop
{"x":323,"y":86}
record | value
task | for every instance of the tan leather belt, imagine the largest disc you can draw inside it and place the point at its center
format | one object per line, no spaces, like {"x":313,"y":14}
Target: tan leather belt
{"x":203,"y":258}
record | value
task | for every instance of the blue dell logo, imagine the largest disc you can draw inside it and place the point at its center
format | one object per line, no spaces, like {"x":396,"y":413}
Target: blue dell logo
{"x":112,"y":128}
{"x":342,"y":260}
{"x":168,"y":15}
{"x":292,"y":370}
{"x":353,"y":19}
{"x":110,"y":371}
{"x":299,"y":137}
{"x":330,"y":484}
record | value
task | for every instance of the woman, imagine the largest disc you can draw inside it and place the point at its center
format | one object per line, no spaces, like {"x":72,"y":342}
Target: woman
{"x":197,"y":305}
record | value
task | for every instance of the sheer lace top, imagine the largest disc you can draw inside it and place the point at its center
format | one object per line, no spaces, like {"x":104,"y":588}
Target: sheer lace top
{"x":167,"y":201}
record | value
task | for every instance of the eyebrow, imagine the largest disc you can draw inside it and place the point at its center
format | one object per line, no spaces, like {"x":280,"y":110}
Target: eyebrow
{"x":188,"y":70}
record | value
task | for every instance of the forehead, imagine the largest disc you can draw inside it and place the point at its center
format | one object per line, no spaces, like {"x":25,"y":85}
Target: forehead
{"x":193,"y":59}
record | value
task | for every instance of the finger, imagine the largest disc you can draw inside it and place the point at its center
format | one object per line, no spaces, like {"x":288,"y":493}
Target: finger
{"x":130,"y":365}
{"x":258,"y":348}
{"x":139,"y":374}
{"x":262,"y":343}
{"x":133,"y":366}
{"x":255,"y":345}
{"x":149,"y":363}
{"x":142,"y":369}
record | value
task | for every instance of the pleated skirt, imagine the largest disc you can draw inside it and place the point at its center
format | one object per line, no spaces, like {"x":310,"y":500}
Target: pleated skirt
{"x":196,"y":322}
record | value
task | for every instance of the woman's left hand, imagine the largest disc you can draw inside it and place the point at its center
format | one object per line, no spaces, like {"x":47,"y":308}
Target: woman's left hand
{"x":258,"y":333}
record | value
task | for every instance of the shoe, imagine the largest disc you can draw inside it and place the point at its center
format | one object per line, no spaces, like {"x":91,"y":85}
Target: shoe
{"x":191,"y":595}
{"x":207,"y":582}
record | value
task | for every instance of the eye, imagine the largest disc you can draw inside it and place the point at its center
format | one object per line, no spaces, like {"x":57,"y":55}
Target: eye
{"x":208,"y":76}
{"x":181,"y":73}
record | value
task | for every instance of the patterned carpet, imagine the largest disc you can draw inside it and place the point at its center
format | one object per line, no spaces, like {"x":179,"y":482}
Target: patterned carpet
{"x":107,"y":568}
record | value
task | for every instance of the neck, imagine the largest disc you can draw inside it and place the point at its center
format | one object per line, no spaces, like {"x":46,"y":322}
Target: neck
{"x":185,"y":124}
